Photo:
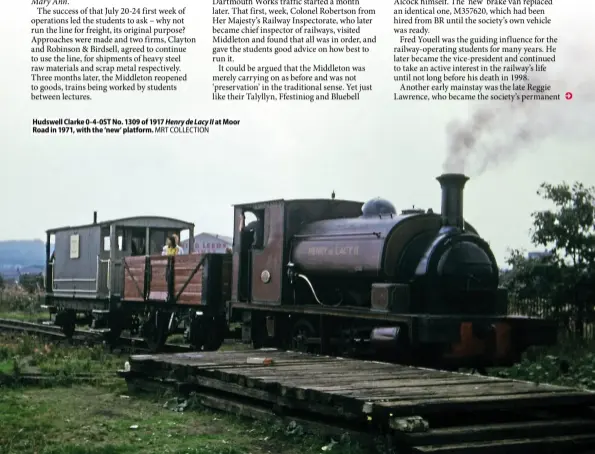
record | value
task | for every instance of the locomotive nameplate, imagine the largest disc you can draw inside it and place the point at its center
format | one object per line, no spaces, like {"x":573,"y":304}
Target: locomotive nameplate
{"x":333,"y":250}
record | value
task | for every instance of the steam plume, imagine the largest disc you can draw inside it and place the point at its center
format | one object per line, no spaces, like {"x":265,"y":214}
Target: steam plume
{"x":500,"y":131}
{"x":492,"y":134}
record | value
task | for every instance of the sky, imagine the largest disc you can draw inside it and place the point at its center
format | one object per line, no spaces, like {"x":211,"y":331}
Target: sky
{"x":374,"y":147}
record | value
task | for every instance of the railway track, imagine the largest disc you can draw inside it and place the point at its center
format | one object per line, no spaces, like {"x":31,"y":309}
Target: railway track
{"x":54,"y":333}
{"x":10,"y":325}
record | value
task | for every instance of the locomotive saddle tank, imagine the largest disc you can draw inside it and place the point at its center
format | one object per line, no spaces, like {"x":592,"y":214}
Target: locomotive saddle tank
{"x":415,"y":248}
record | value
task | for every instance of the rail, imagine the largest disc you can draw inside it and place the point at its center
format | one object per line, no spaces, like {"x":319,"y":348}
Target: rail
{"x":55,"y":332}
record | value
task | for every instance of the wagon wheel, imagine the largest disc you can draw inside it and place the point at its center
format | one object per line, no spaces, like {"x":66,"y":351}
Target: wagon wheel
{"x":134,"y":325}
{"x":154,"y":330}
{"x":196,"y":335}
{"x":68,"y":328}
{"x":114,"y":323}
{"x":67,"y":322}
{"x":207,"y":333}
{"x":302,"y":334}
{"x":217,"y":332}
{"x":113,"y":336}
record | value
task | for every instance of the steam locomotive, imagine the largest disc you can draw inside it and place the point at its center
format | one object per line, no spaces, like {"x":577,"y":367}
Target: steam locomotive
{"x":331,"y":276}
{"x":361,"y":279}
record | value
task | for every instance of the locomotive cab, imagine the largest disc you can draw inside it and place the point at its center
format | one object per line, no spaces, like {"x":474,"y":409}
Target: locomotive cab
{"x":251,"y":238}
{"x":262,"y":242}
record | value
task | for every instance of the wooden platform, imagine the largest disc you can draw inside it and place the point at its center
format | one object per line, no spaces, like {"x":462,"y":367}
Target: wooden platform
{"x":451,"y":412}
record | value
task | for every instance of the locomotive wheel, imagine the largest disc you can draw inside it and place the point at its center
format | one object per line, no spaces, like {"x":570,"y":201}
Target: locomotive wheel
{"x":154,"y":330}
{"x":258,"y":331}
{"x":207,"y":333}
{"x":301,"y":333}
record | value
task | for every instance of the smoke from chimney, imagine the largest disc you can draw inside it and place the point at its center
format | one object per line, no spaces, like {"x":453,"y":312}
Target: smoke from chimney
{"x":501,"y":130}
{"x":491,"y":135}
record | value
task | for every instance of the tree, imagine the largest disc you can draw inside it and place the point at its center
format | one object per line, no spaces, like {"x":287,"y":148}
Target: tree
{"x":568,"y":231}
{"x":530,"y":279}
{"x":2,"y":283}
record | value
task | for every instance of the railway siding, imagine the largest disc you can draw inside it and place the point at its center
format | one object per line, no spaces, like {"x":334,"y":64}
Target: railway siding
{"x":54,"y":333}
{"x":458,"y":412}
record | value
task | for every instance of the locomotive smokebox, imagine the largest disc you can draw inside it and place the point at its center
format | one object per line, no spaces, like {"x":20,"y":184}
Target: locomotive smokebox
{"x":452,"y":199}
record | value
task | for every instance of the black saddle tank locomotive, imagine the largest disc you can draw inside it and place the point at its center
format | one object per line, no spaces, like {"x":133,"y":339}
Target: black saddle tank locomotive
{"x":417,"y":286}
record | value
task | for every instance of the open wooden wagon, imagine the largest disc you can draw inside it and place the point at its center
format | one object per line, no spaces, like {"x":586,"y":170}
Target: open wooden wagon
{"x":111,"y":276}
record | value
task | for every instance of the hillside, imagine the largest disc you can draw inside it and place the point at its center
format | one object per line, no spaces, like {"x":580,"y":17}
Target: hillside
{"x":24,"y":256}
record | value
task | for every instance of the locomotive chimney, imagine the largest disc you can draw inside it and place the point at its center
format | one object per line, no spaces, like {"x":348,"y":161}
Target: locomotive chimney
{"x":452,"y":199}
{"x":94,"y":217}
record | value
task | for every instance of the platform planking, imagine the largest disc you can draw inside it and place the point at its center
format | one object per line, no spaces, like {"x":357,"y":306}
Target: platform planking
{"x":374,"y":387}
{"x":462,"y":413}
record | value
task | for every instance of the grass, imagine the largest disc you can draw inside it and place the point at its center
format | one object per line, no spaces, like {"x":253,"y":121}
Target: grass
{"x":25,"y":316}
{"x":101,"y":418}
{"x":92,"y":420}
{"x":21,"y":354}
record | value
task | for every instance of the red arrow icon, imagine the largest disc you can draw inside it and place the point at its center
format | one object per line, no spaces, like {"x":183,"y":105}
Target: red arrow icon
{"x":568,"y":95}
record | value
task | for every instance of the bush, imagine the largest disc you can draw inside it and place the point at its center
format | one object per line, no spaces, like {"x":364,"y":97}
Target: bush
{"x":570,"y":363}
{"x":16,"y":299}
{"x":32,"y":283}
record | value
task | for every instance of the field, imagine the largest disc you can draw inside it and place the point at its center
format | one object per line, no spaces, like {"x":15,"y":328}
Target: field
{"x":85,"y":409}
